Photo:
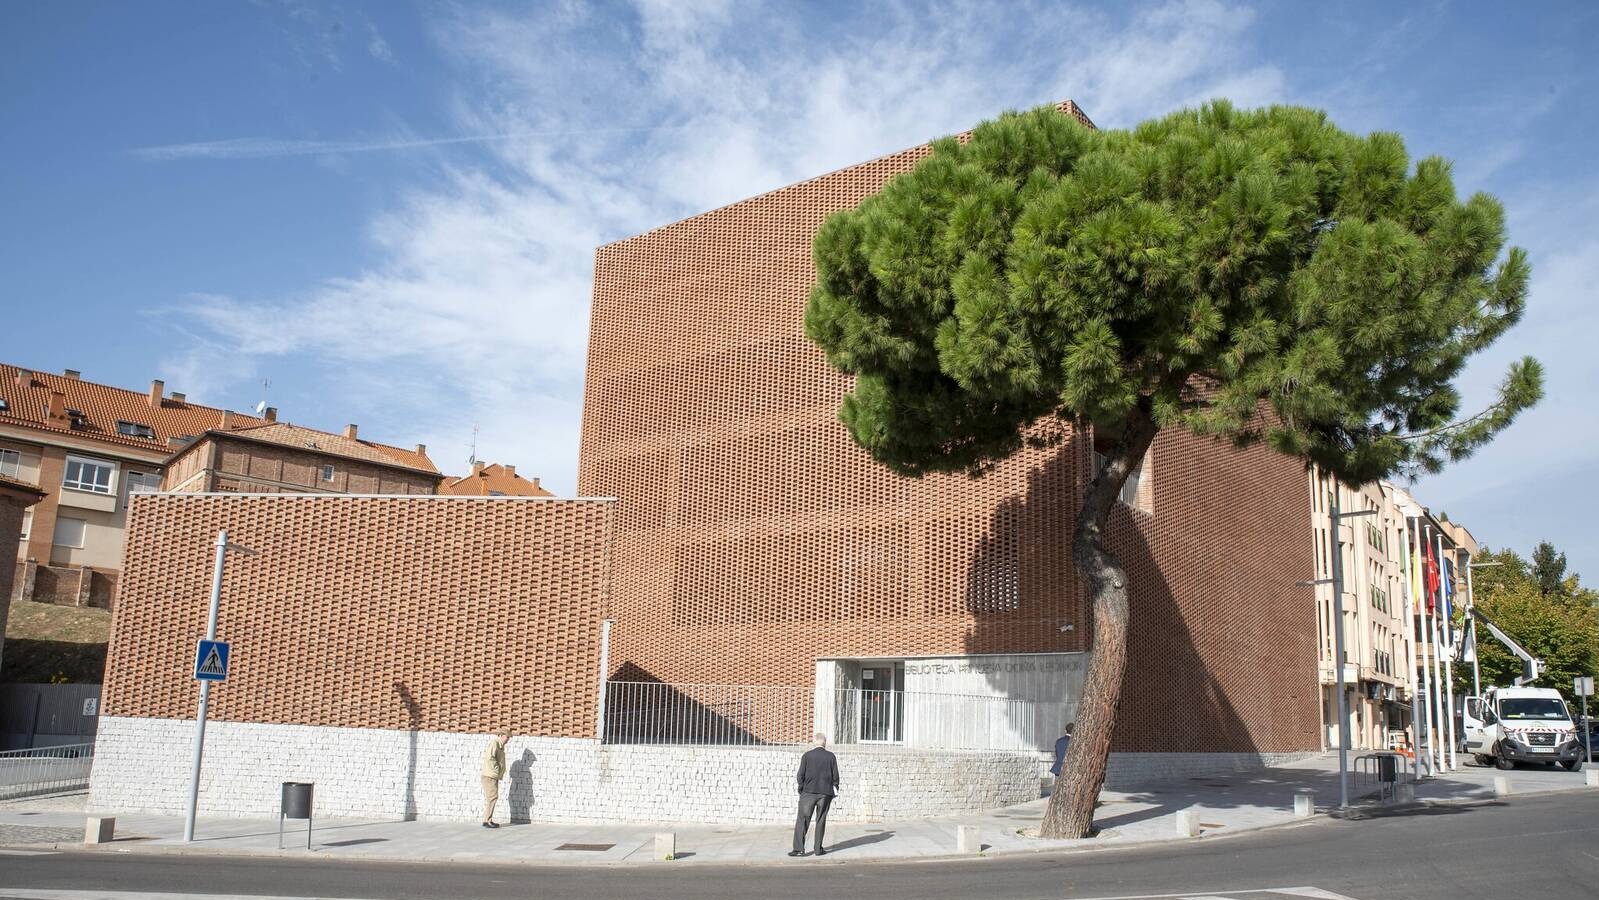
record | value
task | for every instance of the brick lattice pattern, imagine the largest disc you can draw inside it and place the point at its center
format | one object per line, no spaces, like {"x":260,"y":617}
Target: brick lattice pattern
{"x":754,"y":537}
{"x":439,"y":613}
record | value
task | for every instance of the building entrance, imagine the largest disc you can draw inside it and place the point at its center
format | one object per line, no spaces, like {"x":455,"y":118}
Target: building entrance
{"x":882,"y":710}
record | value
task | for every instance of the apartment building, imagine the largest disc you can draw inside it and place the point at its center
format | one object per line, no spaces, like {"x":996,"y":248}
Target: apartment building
{"x":279,"y":457}
{"x":1379,"y":652}
{"x":88,"y":446}
{"x":492,"y":480}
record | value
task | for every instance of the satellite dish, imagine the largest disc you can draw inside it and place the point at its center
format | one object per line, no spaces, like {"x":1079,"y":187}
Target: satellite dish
{"x":260,"y":407}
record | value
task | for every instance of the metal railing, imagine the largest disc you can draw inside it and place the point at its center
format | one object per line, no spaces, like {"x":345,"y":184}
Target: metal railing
{"x":661,"y":713}
{"x":45,"y":770}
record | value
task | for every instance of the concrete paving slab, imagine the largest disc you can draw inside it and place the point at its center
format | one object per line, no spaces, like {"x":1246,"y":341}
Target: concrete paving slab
{"x":1229,"y":804}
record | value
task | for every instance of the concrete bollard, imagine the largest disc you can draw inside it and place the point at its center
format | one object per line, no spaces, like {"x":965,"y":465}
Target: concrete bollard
{"x":966,"y":839}
{"x":1188,"y":823}
{"x":1501,"y":786}
{"x":99,"y":829}
{"x":1593,"y":777}
{"x":1304,"y":804}
{"x":666,"y":845}
{"x":1405,"y":792}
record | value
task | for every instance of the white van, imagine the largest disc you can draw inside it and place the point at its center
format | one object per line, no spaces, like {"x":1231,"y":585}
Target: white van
{"x":1521,"y":724}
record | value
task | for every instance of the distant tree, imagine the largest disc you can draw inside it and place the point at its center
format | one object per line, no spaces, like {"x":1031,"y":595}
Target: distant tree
{"x":1495,"y":570}
{"x":1045,"y":278}
{"x":1549,"y":568}
{"x":1564,"y":636}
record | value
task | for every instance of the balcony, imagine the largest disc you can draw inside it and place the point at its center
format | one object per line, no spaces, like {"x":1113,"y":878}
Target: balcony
{"x":87,"y":500}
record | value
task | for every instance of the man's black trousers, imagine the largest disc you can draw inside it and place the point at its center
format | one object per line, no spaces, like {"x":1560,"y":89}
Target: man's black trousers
{"x":808,"y":803}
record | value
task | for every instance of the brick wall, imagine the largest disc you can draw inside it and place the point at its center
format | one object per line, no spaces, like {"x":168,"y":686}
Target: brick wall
{"x":434,"y":613}
{"x":10,"y":536}
{"x":68,"y":585}
{"x":753,"y":536}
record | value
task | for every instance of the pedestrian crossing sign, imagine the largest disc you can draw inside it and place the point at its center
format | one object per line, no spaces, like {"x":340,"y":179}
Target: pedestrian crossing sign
{"x":211,"y":661}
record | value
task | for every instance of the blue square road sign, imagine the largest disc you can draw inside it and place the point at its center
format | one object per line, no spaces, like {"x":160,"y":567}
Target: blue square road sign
{"x":211,"y":661}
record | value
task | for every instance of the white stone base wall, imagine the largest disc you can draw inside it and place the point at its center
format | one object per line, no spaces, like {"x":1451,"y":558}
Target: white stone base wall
{"x":142,"y":765}
{"x":1132,"y":771}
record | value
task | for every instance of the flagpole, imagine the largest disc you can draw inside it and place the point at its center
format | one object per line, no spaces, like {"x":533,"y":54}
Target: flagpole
{"x":1419,"y":624}
{"x":1439,"y":758}
{"x":1449,"y":657}
{"x":1471,"y":622}
{"x":1410,"y":657}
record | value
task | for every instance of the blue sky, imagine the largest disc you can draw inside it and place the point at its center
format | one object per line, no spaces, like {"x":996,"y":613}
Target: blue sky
{"x":390,"y":209}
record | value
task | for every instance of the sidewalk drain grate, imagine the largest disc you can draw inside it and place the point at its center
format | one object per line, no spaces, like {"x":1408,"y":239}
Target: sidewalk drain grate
{"x":592,"y":847}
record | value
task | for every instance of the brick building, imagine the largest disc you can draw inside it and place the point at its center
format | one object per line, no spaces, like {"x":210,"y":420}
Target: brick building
{"x":278,"y":457}
{"x":89,"y":447}
{"x":756,"y":544}
{"x":492,"y":480}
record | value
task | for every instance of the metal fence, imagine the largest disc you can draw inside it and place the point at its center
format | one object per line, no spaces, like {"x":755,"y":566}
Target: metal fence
{"x":45,"y":770}
{"x":42,"y":715}
{"x":645,"y":712}
{"x":661,"y":713}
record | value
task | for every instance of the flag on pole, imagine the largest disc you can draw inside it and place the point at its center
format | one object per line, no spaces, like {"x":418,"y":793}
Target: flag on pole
{"x":1468,"y":647}
{"x":1449,"y":588}
{"x":1431,"y":566}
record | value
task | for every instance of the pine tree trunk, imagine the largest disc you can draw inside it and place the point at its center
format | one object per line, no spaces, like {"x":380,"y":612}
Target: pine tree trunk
{"x":1071,"y":807}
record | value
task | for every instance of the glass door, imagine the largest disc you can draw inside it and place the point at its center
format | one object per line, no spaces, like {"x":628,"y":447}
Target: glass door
{"x":880,"y":704}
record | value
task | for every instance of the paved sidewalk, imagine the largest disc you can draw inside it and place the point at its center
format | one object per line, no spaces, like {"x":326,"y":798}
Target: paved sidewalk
{"x":1227,"y":805}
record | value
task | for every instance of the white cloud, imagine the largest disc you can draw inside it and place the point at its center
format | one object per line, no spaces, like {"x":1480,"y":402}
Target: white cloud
{"x":475,"y":308}
{"x":376,"y":46}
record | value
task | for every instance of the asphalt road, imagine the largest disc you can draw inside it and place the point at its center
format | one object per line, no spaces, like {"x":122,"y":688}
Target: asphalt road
{"x":1544,"y":847}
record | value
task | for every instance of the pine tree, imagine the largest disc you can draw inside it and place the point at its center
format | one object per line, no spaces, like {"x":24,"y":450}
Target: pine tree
{"x":1045,"y":278}
{"x":1549,"y":569}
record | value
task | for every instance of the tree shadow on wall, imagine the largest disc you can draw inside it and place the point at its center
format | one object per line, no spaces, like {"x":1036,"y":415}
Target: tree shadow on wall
{"x":1023,"y":588}
{"x":413,"y":712}
{"x":642,"y":709}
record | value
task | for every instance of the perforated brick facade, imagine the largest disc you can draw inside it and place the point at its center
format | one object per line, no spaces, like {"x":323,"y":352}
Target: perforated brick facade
{"x":449,"y":614}
{"x":754,"y":537}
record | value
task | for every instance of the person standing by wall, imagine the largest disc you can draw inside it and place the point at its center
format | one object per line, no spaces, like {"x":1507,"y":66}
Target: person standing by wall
{"x":817,"y":780}
{"x":492,"y":770}
{"x":1061,"y":743}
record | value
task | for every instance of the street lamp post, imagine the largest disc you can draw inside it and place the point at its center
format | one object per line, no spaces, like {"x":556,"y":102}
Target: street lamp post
{"x":1336,"y":517}
{"x":223,"y":547}
{"x":1471,"y":620}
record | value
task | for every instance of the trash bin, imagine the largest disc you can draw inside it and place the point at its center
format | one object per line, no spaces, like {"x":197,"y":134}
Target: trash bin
{"x":1388,"y":768}
{"x":296,"y":804}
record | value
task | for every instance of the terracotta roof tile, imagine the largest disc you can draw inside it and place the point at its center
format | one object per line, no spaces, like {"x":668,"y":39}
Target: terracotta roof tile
{"x":492,"y":480}
{"x":28,"y":403}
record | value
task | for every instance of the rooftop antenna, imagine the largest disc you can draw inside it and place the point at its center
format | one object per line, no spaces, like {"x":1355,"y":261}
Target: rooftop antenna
{"x":472,"y":460}
{"x":261,"y":408}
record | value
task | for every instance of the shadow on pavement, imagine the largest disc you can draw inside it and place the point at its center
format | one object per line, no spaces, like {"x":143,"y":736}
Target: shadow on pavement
{"x":861,"y":841}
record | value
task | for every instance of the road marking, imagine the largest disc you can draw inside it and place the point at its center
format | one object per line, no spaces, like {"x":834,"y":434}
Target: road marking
{"x":12,"y":893}
{"x":1313,"y":893}
{"x":27,"y":852}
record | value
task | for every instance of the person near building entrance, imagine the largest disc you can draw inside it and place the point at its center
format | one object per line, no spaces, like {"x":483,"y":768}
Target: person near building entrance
{"x":492,"y":770}
{"x":818,"y":784}
{"x":1061,"y":743}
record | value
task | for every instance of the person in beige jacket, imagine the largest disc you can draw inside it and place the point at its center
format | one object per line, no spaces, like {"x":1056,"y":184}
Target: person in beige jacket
{"x":492,"y":770}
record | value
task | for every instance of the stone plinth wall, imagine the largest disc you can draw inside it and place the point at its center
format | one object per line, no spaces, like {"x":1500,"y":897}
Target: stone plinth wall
{"x":142,"y":765}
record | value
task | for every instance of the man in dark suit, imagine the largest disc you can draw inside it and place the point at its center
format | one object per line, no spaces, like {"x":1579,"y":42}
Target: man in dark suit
{"x":1061,"y":743}
{"x":818,"y":783}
